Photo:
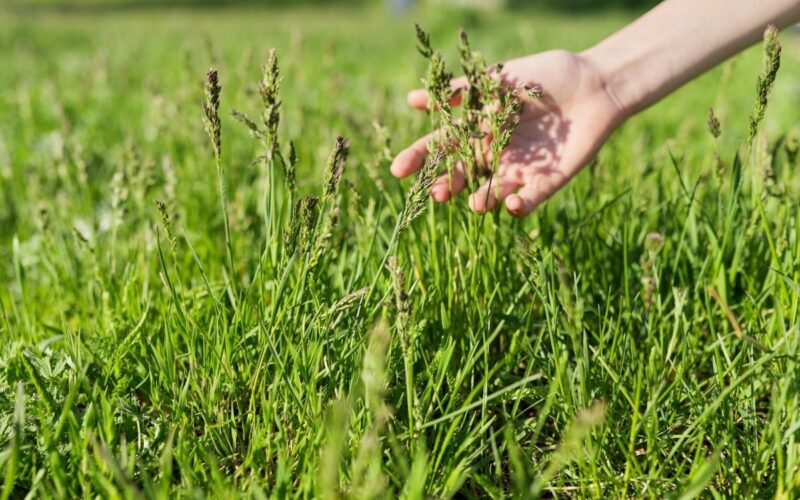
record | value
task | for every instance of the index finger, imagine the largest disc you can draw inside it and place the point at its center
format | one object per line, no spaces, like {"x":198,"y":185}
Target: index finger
{"x":413,"y":157}
{"x":418,"y":98}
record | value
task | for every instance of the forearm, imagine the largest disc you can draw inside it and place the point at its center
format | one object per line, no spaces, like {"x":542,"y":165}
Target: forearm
{"x":679,"y":40}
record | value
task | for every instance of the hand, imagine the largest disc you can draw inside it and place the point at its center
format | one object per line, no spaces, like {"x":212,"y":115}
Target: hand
{"x":557,"y":135}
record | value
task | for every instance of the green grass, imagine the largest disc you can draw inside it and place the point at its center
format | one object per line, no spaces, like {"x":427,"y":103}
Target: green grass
{"x":591,"y":361}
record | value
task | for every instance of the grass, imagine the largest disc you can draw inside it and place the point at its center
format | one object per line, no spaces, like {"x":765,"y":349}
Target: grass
{"x":636,"y":336}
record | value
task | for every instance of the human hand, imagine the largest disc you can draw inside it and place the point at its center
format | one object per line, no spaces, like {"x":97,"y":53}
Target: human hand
{"x":557,"y":134}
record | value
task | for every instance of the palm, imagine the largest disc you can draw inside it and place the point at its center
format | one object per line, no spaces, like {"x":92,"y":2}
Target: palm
{"x":556,"y":136}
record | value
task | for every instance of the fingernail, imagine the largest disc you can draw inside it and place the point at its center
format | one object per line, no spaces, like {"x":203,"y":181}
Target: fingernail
{"x":473,"y":206}
{"x":513,"y":203}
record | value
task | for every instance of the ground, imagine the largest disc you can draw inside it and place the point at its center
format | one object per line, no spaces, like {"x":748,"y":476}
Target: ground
{"x":636,"y":336}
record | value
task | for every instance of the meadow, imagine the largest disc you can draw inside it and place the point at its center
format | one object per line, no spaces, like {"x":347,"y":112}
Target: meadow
{"x":196,"y":307}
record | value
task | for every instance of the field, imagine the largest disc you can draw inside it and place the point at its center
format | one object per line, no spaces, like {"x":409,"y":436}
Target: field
{"x":637,"y":336}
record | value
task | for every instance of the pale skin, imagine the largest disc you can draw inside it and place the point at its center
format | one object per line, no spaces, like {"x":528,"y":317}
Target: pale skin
{"x":588,"y":94}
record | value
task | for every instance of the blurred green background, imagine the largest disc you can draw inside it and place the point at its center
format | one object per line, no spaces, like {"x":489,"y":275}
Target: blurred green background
{"x":392,"y":4}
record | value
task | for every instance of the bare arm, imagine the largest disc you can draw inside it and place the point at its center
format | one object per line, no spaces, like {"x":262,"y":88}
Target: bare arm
{"x":679,"y":40}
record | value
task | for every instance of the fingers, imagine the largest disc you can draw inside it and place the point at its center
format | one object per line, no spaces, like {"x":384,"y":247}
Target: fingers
{"x":449,"y":185}
{"x":419,"y":98}
{"x":528,"y":198}
{"x":412,"y":158}
{"x":486,"y":197}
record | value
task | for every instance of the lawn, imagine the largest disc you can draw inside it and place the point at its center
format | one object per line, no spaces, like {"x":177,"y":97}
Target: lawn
{"x":328,"y":334}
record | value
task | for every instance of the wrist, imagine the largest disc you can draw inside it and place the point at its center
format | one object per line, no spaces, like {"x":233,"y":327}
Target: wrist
{"x":619,"y":94}
{"x":617,"y":80}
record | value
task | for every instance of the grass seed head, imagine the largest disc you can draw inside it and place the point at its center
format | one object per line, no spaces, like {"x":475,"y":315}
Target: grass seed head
{"x":490,"y":85}
{"x":167,"y":223}
{"x":402,"y":303}
{"x":335,"y":315}
{"x":268,"y":88}
{"x":713,"y":123}
{"x":437,"y":84}
{"x":423,"y":42}
{"x":572,"y":445}
{"x":417,"y":196}
{"x":531,"y":254}
{"x":438,"y":78}
{"x":302,"y":225}
{"x":765,"y":81}
{"x":250,"y":124}
{"x":291,"y":168}
{"x":211,"y":111}
{"x":308,"y":212}
{"x":292,"y":232}
{"x":347,"y":301}
{"x":534,"y":92}
{"x":83,"y":235}
{"x":505,"y":121}
{"x":474,"y":66}
{"x":335,"y":166}
{"x":654,"y":242}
